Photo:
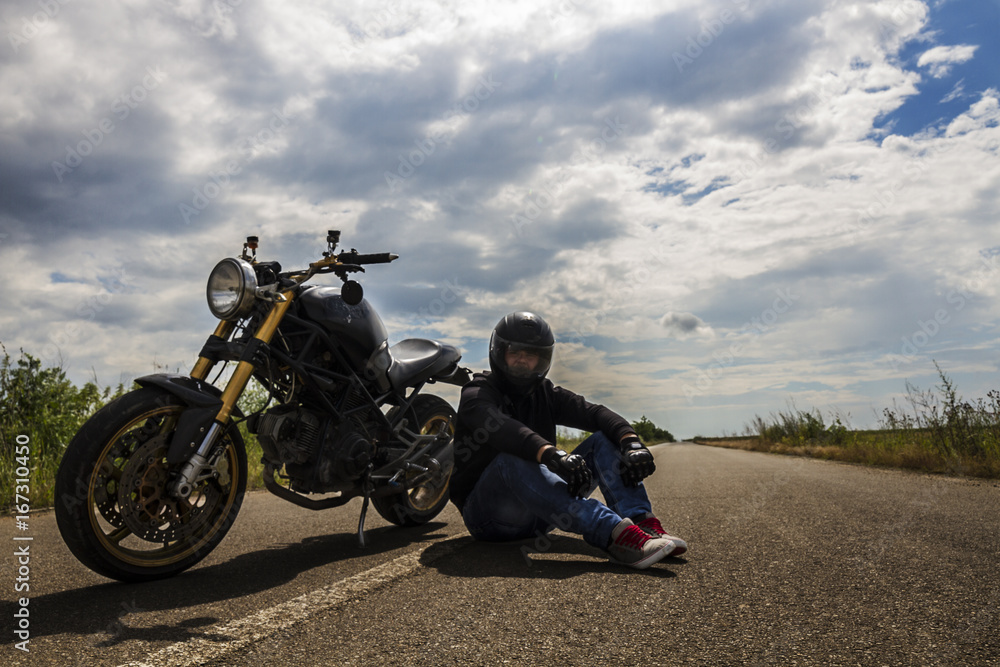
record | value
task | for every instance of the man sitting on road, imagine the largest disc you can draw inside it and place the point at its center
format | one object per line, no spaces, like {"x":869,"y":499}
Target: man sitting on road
{"x":511,"y":482}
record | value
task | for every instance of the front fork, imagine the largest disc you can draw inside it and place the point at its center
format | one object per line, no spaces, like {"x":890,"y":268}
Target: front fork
{"x":198,"y":462}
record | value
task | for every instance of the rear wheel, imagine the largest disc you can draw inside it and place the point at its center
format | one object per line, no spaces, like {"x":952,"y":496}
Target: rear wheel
{"x":420,"y":504}
{"x":112,"y":504}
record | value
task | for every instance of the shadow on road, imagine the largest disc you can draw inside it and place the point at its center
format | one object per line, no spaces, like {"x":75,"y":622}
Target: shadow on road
{"x":553,"y":556}
{"x":100,"y":609}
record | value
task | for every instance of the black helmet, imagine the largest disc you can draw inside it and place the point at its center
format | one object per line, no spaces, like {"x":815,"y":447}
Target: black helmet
{"x":517,"y":332}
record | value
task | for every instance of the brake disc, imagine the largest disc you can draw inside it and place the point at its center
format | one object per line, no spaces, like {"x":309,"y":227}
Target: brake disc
{"x":148,"y":509}
{"x":107,"y":484}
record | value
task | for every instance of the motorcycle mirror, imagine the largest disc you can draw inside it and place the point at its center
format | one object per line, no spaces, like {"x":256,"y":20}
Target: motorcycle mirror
{"x":352,"y":292}
{"x":251,"y":246}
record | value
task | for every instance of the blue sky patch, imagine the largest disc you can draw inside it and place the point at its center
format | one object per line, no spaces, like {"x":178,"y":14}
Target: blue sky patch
{"x":941,"y":98}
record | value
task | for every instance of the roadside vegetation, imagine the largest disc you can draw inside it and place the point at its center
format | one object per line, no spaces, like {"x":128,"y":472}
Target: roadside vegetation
{"x":647,"y":431}
{"x":933,"y":430}
{"x":40,"y":406}
{"x":43,"y":409}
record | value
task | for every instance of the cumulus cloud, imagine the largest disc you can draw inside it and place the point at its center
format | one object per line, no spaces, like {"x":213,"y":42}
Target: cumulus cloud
{"x":685,"y":325}
{"x":941,"y":59}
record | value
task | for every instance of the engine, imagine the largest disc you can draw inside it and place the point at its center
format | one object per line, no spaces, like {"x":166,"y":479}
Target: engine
{"x":319,"y":456}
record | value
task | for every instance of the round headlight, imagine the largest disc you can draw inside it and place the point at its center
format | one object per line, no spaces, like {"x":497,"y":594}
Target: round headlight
{"x":231,"y":288}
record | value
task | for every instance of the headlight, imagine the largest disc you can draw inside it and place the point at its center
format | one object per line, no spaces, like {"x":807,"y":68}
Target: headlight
{"x":231,"y":289}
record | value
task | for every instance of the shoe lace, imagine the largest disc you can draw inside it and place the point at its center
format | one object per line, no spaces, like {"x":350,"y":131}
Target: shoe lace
{"x":632,"y":537}
{"x":653,"y":524}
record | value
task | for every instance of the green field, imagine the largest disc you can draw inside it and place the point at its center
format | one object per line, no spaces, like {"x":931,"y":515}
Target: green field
{"x":933,"y":431}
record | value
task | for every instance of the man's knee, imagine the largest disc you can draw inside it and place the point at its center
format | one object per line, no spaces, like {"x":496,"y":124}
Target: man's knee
{"x":600,"y":439}
{"x":508,"y":463}
{"x":595,"y":443}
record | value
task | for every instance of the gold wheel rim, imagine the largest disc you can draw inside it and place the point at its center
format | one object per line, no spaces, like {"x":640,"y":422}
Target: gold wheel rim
{"x":426,"y":496}
{"x":119,"y":540}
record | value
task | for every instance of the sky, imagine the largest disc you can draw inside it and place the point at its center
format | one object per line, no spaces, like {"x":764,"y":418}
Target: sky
{"x":724,"y":208}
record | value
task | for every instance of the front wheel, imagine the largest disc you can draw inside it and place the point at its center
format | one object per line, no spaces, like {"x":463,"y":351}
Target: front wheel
{"x":418,"y":505}
{"x":112,"y":505}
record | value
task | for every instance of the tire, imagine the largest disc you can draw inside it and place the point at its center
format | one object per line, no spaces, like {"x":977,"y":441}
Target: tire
{"x":417,"y":506}
{"x":143,"y":534}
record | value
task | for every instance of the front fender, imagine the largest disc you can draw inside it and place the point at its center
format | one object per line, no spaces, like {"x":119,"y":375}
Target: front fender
{"x":196,"y":393}
{"x":203,"y":400}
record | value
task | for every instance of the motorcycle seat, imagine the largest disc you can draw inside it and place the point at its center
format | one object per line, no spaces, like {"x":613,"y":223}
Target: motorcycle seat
{"x":416,"y":360}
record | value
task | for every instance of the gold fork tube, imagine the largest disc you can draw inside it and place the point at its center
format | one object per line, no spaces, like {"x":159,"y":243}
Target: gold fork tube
{"x":204,"y":366}
{"x":245,"y":369}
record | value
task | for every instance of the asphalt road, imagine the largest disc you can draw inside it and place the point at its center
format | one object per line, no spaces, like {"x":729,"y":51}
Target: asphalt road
{"x":791,"y":561}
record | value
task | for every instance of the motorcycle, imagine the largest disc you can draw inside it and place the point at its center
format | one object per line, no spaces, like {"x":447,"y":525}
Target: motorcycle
{"x":154,"y":480}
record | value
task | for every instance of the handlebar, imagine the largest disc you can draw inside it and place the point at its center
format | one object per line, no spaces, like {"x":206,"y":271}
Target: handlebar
{"x":353,"y":257}
{"x":342,"y":264}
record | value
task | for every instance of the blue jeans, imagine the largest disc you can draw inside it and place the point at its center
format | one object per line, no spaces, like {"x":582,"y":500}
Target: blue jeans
{"x":515,"y":499}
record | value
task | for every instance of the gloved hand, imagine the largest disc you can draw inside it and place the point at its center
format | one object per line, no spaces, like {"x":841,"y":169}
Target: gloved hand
{"x":637,"y":461}
{"x":571,"y":467}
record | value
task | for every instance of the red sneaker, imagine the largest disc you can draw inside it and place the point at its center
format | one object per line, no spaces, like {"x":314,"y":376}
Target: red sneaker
{"x":636,"y":548}
{"x":651,"y":525}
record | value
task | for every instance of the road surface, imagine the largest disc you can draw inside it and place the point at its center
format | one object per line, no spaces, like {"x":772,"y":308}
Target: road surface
{"x":791,"y":561}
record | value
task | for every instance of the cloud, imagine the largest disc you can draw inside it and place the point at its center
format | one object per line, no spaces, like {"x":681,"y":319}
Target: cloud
{"x":941,"y":59}
{"x":616,"y":167}
{"x":685,"y":325}
{"x":957,"y":92}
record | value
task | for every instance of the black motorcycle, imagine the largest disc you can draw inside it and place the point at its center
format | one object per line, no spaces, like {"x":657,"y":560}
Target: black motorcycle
{"x":155,"y":479}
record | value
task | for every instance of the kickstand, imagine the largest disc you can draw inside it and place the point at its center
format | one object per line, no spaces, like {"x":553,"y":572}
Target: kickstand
{"x":367,"y":487}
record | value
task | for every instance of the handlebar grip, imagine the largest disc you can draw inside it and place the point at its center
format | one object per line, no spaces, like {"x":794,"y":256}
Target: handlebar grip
{"x":372,"y":258}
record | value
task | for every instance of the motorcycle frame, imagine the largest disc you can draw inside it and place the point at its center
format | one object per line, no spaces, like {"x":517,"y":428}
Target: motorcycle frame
{"x":386,"y":479}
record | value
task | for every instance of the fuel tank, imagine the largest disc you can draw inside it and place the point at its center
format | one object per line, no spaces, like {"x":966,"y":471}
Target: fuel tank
{"x":358,"y":328}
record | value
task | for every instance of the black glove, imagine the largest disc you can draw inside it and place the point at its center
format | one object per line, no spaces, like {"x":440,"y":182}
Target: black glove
{"x":637,"y":461}
{"x":571,"y":467}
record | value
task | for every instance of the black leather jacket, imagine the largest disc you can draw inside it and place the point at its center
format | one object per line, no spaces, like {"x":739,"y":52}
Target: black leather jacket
{"x":492,"y":420}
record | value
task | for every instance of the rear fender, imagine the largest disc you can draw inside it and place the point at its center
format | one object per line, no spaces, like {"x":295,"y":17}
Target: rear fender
{"x":204,"y":401}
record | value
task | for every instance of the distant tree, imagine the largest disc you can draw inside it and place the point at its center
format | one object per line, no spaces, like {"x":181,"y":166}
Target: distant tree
{"x":650,"y":432}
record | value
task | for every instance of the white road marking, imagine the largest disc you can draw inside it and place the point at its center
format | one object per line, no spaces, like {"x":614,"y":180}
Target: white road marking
{"x":252,"y":629}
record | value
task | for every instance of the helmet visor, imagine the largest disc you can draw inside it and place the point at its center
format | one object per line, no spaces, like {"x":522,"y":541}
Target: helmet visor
{"x":523,"y":361}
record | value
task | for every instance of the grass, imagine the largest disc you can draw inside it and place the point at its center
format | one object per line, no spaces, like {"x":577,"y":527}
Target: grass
{"x":935,"y":431}
{"x":568,"y":441}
